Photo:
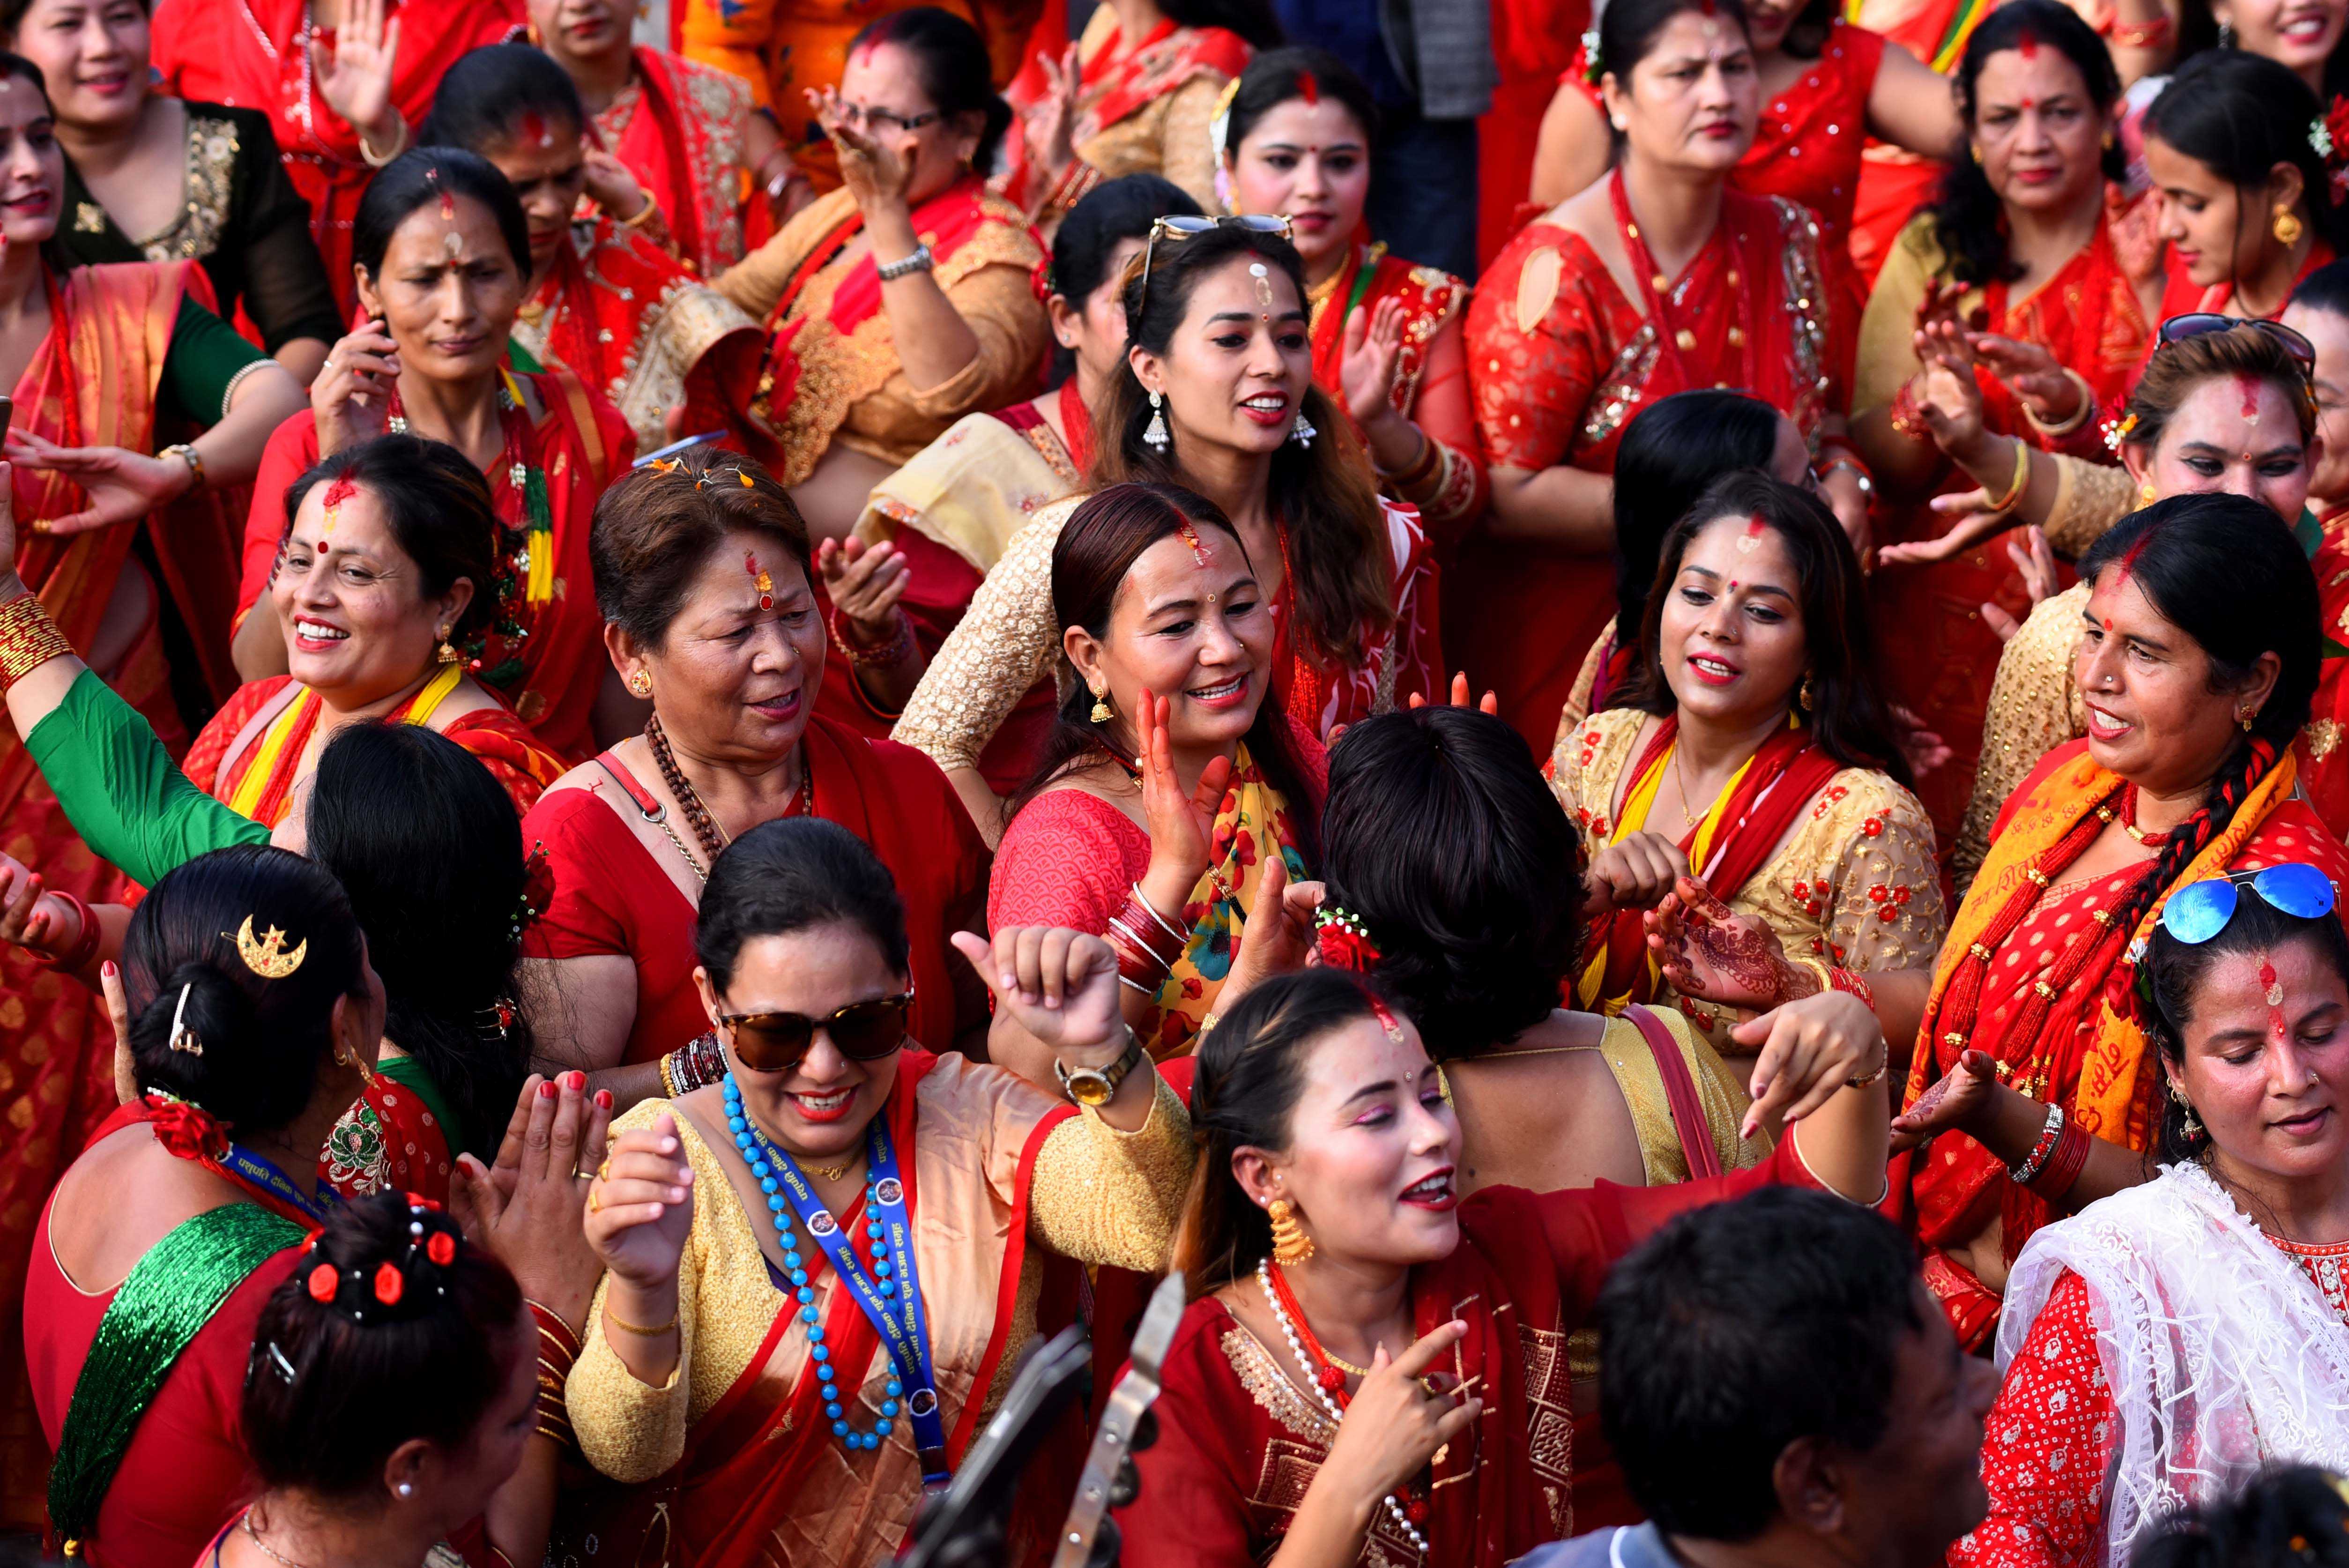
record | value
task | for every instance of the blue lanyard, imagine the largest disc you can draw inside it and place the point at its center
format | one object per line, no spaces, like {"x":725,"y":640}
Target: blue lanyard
{"x":255,"y":1171}
{"x":893,"y":1305}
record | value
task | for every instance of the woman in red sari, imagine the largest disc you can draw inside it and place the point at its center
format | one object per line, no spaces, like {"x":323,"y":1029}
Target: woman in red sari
{"x":2020,"y":252}
{"x":2247,"y":205}
{"x":1657,"y":279}
{"x":1295,"y":140}
{"x":442,"y":251}
{"x":1137,"y":93}
{"x":2187,"y":772}
{"x":342,"y":85}
{"x":1373,"y":1368}
{"x":702,"y":569}
{"x":1827,"y":86}
{"x":2320,"y":313}
{"x":906,"y":298}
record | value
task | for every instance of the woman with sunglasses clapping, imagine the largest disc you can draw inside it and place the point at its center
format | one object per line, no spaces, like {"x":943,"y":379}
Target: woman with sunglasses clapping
{"x":1216,"y":397}
{"x":818,"y":1263}
{"x":2171,"y":1340}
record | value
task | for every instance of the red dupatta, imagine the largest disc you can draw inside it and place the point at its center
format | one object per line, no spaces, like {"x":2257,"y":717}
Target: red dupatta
{"x":1112,"y":86}
{"x":2088,"y":316}
{"x":682,"y":138}
{"x":1428,"y":297}
{"x":2324,"y":768}
{"x":1783,"y":778}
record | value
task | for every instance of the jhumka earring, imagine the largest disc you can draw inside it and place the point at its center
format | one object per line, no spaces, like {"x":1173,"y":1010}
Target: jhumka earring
{"x":2192,"y":1127}
{"x":1803,"y":694}
{"x":1291,"y":1245}
{"x":1303,"y":432}
{"x":445,"y":653}
{"x":1156,"y":437}
{"x":1103,"y":713}
{"x":2286,"y":226}
{"x":2244,"y":718}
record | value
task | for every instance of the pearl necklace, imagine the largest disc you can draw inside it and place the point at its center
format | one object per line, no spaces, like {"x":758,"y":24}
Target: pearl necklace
{"x":755,"y":1150}
{"x":1330,"y":1405}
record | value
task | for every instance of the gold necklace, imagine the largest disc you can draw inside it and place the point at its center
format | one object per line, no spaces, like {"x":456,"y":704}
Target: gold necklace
{"x":1681,"y":780}
{"x":266,"y":1550}
{"x":829,"y":1172}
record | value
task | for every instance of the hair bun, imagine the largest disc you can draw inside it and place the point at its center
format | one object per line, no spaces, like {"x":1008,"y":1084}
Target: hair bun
{"x":381,"y":1259}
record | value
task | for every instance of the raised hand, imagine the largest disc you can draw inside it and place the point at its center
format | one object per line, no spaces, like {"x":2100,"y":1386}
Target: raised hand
{"x":356,"y":79}
{"x":1635,"y":873}
{"x":351,"y":396}
{"x":1182,"y":823}
{"x":612,"y":186}
{"x":1395,"y":1423}
{"x":1809,"y":1049}
{"x":2035,"y":559}
{"x":1955,"y":1100}
{"x":2031,"y":373}
{"x":1372,"y":355}
{"x":877,"y":172}
{"x":32,"y":917}
{"x":1707,"y":950}
{"x":1924,"y":748}
{"x":1949,"y":397}
{"x":1059,"y":985}
{"x":1277,"y":936}
{"x":866,"y":583}
{"x":1050,"y":131}
{"x":1488,"y":703}
{"x":640,"y":1205}
{"x":123,"y":486}
{"x":535,"y":1219}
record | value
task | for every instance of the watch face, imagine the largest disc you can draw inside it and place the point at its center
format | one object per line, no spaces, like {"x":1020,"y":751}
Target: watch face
{"x":1089,"y":1087}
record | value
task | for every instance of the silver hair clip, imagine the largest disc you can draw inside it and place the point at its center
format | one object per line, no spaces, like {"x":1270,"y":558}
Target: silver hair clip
{"x":183,"y":1038}
{"x":285,"y":1367}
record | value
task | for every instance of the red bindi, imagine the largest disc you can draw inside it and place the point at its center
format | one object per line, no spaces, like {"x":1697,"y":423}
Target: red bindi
{"x":760,"y":579}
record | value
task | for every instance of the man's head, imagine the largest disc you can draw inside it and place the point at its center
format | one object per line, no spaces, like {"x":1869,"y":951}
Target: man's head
{"x":1774,"y":1364}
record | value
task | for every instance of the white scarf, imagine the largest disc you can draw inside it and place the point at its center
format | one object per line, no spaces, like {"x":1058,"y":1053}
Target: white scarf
{"x":2221,"y":1353}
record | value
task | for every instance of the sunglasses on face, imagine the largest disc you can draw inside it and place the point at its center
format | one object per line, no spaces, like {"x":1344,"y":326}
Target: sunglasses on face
{"x":2197,"y":324}
{"x":1183,"y":226}
{"x":2200,"y":910}
{"x":776,"y":1042}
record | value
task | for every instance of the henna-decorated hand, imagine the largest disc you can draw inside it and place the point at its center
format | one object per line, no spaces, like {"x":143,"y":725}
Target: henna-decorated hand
{"x":1708,"y":951}
{"x":1959,"y":1100}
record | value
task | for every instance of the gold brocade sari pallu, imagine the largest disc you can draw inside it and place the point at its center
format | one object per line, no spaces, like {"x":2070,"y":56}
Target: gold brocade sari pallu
{"x":2111,"y":1090}
{"x":1251,"y":817}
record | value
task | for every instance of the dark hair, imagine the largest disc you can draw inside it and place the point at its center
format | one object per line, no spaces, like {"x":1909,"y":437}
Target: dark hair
{"x":1628,"y":30}
{"x":2172,"y":975}
{"x":1440,"y":837}
{"x":422,"y":174}
{"x":1969,"y":220}
{"x":1338,"y":558}
{"x":793,"y":874}
{"x":1243,"y":1092}
{"x":1739,"y":1328}
{"x":366,"y":1375}
{"x":950,"y":67}
{"x":1253,"y":20}
{"x":1670,"y":450}
{"x":426,"y":844}
{"x":15,"y":65}
{"x":2287,"y":1516}
{"x":2175,"y":369}
{"x":1114,"y":211}
{"x":491,"y":93}
{"x":2240,"y":114}
{"x":653,"y":530}
{"x":2225,"y":570}
{"x":2325,"y":289}
{"x":1277,"y":76}
{"x":1848,"y":714}
{"x":263,"y":1039}
{"x":1099,"y":544}
{"x":438,"y":508}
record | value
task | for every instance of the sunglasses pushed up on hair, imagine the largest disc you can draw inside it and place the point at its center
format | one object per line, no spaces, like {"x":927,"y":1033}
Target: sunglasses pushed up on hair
{"x":2202,"y":322}
{"x":1184,"y":226}
{"x":2200,"y":910}
{"x":777,"y":1042}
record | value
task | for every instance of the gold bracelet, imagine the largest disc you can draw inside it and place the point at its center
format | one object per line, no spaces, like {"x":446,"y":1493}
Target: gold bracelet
{"x":2079,"y":417}
{"x":616,"y":1321}
{"x":2021,"y":476}
{"x":28,"y":639}
{"x":644,"y":214}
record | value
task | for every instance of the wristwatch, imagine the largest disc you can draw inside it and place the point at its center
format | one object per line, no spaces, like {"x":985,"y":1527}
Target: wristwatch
{"x":1095,"y":1086}
{"x":188,"y":455}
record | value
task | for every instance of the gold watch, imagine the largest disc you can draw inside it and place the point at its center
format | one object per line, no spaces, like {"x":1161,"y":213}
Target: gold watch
{"x":1095,"y":1086}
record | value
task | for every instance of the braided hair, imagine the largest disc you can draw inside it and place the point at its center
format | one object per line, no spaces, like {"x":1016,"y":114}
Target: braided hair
{"x":2220,"y":569}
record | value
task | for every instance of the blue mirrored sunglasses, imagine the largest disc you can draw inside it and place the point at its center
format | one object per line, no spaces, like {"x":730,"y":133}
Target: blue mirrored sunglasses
{"x":2200,"y":910}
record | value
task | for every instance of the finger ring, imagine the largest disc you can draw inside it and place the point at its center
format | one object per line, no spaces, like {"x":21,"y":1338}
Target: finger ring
{"x":595,"y":1204}
{"x":604,"y":1172}
{"x":584,"y":1175}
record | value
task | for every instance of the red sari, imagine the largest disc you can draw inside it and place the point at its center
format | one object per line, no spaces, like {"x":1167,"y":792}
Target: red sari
{"x":1893,"y":181}
{"x":1113,"y":85}
{"x":1560,"y":361}
{"x":551,"y":676}
{"x":678,"y":126}
{"x":229,"y":748}
{"x":2081,"y":1045}
{"x":1239,"y":1445}
{"x":2323,"y":770}
{"x":250,"y":54}
{"x":612,"y":897}
{"x":2181,"y":295}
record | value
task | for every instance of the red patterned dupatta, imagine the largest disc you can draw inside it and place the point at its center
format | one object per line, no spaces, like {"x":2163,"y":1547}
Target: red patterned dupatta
{"x":682,"y":137}
{"x":1727,"y":846}
{"x":1428,"y":298}
{"x":1112,"y":86}
{"x":2324,"y":766}
{"x":2089,"y":316}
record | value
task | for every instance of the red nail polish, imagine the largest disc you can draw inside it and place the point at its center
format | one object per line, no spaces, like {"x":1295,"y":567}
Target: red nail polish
{"x":575,"y":1080}
{"x":107,"y":968}
{"x":604,"y":1100}
{"x":546,"y":1091}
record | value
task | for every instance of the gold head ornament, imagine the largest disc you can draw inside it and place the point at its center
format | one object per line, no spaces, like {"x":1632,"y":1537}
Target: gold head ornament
{"x":266,"y":954}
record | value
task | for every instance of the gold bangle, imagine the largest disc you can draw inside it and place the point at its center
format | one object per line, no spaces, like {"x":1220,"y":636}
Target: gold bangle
{"x":28,"y":639}
{"x":616,"y":1321}
{"x":2021,"y":476}
{"x":368,"y":154}
{"x":645,"y":214}
{"x":2079,"y":417}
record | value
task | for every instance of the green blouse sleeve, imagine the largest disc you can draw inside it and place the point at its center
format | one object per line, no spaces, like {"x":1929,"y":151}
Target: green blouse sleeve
{"x":205,"y":355}
{"x":120,"y":790}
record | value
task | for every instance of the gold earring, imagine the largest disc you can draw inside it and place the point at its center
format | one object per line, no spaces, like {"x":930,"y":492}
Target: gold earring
{"x":1804,"y":694}
{"x":444,"y":653}
{"x":1975,"y":148}
{"x":1103,"y":713}
{"x":641,"y":683}
{"x":2244,"y":718}
{"x":2192,"y":1127}
{"x":2144,"y":493}
{"x":1291,"y":1245}
{"x":2286,"y":227}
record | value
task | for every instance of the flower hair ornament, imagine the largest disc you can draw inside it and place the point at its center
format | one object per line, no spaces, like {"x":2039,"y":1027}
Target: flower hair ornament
{"x":2328,"y":138}
{"x":359,"y":1290}
{"x":1344,"y":940}
{"x":2118,"y":431}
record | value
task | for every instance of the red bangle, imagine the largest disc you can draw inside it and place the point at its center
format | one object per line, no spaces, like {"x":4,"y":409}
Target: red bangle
{"x":893,"y":651}
{"x":84,"y":947}
{"x":558,"y":1349}
{"x":2062,"y":1171}
{"x":1844,"y":980}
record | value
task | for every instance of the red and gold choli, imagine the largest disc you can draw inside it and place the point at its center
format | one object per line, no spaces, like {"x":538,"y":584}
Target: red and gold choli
{"x":678,"y":127}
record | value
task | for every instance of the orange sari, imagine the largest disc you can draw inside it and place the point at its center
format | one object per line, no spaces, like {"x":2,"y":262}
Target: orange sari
{"x":2078,"y":1043}
{"x":92,"y":382}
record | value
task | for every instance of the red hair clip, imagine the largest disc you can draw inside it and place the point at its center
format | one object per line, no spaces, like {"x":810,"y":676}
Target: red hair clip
{"x":442,"y":1249}
{"x":390,"y":1284}
{"x":321,"y":1285}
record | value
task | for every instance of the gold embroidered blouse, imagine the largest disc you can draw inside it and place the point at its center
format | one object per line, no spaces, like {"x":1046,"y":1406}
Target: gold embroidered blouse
{"x":1097,"y":1195}
{"x":1853,"y":882}
{"x":2034,"y":707}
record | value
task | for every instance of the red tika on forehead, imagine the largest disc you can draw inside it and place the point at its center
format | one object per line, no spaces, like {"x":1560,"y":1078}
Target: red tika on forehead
{"x":1190,"y":536}
{"x":2272,"y":992}
{"x":448,"y":202}
{"x":338,"y":492}
{"x":760,"y":579}
{"x":1387,"y":1020}
{"x":2026,"y":43}
{"x":1309,"y":89}
{"x":535,"y":131}
{"x":2249,"y":386}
